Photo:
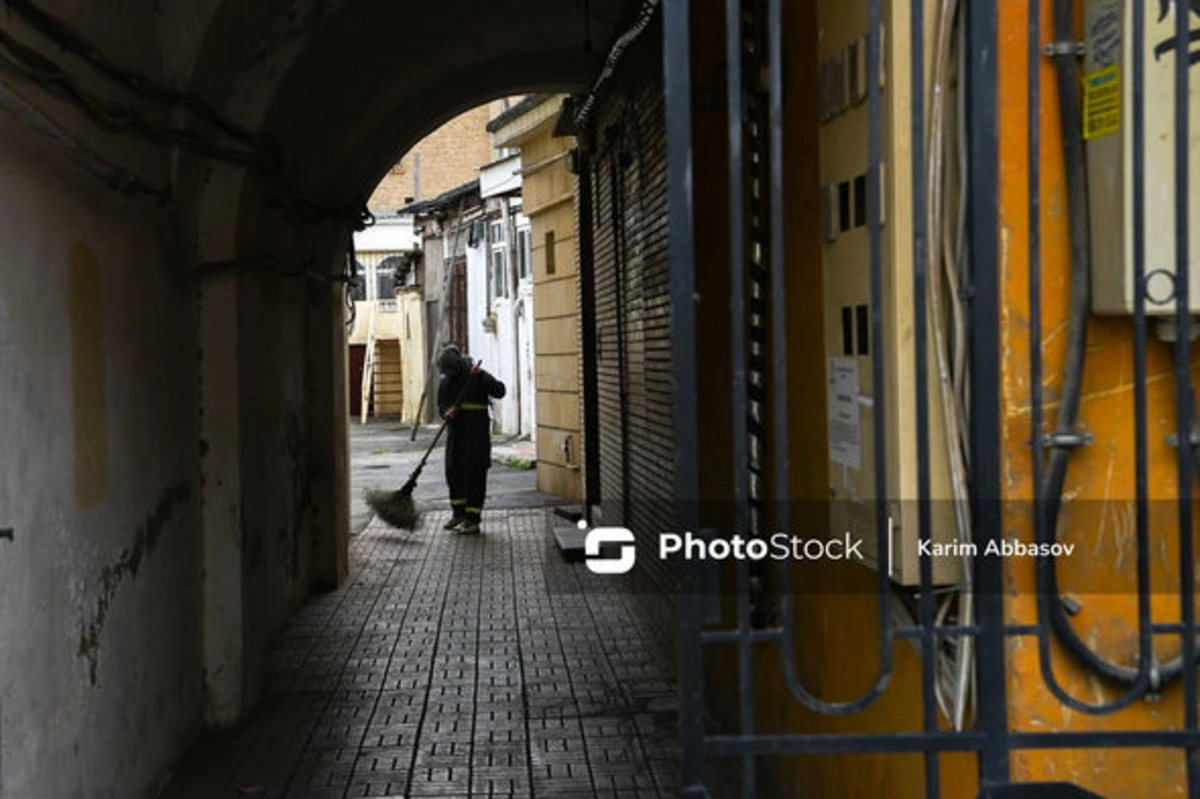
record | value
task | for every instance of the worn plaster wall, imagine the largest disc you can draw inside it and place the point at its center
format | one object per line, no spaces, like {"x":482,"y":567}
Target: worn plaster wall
{"x":100,"y":684}
{"x":172,"y":444}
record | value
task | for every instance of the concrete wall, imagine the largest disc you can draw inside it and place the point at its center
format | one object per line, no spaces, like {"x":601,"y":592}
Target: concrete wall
{"x":100,"y":679}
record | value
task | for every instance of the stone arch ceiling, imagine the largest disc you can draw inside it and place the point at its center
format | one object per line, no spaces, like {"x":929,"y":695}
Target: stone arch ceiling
{"x":346,"y":86}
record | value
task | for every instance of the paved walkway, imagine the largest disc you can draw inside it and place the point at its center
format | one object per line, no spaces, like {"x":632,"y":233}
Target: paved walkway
{"x":382,"y":456}
{"x":455,"y":666}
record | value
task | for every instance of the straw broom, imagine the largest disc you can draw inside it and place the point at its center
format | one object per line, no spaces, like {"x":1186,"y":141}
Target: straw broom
{"x":397,"y":508}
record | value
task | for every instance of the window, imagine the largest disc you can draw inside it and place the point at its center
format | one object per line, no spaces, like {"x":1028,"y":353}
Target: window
{"x":398,"y":270}
{"x":498,"y":264}
{"x":499,"y":246}
{"x":385,"y":282}
{"x":524,"y":252}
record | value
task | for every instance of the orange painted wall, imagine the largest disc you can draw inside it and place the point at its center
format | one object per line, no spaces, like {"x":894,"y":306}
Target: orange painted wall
{"x":837,"y":658}
{"x":1100,"y":481}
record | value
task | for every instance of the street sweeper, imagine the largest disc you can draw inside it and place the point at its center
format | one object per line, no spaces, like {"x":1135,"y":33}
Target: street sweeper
{"x":465,"y":391}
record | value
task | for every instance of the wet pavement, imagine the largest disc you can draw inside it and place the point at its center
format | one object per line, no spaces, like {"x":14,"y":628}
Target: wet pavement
{"x":455,"y":666}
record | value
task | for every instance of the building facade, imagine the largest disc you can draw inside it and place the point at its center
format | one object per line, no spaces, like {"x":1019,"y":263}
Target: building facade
{"x":548,"y":200}
{"x":380,"y":339}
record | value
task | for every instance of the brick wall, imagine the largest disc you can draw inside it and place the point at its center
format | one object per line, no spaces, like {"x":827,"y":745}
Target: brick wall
{"x":448,"y":157}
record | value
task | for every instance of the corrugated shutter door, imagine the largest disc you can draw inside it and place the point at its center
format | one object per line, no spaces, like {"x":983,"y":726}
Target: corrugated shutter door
{"x":633,"y":322}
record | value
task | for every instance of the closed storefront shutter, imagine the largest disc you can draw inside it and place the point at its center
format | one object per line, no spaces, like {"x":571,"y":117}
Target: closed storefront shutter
{"x":632,"y":302}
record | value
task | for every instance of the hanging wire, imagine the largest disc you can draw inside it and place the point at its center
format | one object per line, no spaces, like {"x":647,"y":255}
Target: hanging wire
{"x":74,"y":43}
{"x":26,"y":63}
{"x":614,"y":58}
{"x":115,"y":177}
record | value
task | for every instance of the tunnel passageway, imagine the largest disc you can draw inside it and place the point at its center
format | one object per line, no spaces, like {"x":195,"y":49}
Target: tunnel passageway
{"x":455,"y":666}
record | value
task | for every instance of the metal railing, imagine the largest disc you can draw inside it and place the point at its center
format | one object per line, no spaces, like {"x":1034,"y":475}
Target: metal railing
{"x":986,"y":627}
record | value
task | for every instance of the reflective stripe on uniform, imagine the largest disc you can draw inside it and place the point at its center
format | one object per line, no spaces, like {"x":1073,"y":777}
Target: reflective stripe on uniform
{"x":474,"y":510}
{"x":458,"y":502}
{"x":474,"y":406}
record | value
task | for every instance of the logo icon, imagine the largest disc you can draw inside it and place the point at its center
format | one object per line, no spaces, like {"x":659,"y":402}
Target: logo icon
{"x":595,"y":542}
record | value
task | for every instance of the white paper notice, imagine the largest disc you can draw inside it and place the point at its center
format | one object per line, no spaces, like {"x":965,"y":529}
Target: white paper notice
{"x":845,"y":426}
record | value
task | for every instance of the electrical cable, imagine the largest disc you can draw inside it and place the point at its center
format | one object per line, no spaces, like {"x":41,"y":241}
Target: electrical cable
{"x":963,"y":386}
{"x":1072,"y":383}
{"x":937,"y":142}
{"x":30,"y":65}
{"x":69,"y":40}
{"x":352,"y":273}
{"x":117,"y":178}
{"x":614,"y":58}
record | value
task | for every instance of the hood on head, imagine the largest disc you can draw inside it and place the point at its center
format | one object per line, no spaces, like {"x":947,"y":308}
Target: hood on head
{"x":451,"y":360}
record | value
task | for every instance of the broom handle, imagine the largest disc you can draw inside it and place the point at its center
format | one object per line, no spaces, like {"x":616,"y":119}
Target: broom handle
{"x":462,"y":392}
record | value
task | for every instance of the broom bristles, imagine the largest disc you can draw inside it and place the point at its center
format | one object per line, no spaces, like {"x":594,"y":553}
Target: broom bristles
{"x":395,"y":508}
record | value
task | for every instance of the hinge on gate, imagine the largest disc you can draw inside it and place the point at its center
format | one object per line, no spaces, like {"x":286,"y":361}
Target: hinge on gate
{"x":1193,"y":439}
{"x":1068,"y":440}
{"x":1053,"y":49}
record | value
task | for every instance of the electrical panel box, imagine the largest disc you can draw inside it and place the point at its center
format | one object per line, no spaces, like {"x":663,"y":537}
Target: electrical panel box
{"x":853,"y":406}
{"x":1108,"y":115}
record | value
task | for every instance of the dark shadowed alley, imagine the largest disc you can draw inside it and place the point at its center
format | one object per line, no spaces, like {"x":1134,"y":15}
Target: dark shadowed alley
{"x":455,"y":666}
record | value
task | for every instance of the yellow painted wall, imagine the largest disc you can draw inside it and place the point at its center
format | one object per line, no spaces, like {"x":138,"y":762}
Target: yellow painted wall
{"x":387,"y":320}
{"x":414,"y":366}
{"x":548,"y":199}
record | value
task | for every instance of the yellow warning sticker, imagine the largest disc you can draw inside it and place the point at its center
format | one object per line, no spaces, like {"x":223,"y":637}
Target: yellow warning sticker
{"x":1102,"y":102}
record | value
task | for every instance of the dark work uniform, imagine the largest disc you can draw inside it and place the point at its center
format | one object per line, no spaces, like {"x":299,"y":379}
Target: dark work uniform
{"x":469,"y":437}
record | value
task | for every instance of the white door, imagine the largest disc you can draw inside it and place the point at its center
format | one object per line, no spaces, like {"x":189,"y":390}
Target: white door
{"x":525,"y":367}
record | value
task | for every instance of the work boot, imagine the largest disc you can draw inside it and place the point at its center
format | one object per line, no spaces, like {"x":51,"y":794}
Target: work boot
{"x":471,"y":527}
{"x":455,"y":521}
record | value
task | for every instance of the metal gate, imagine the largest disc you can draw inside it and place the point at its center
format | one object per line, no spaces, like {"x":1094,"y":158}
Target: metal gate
{"x":755,"y":156}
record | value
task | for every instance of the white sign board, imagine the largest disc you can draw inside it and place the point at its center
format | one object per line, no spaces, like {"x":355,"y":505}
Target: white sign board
{"x":845,"y":425}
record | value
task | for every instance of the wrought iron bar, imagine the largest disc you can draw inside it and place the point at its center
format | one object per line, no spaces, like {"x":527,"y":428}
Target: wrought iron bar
{"x":677,"y":87}
{"x":1184,"y":395}
{"x":984,"y":282}
{"x":737,"y":340}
